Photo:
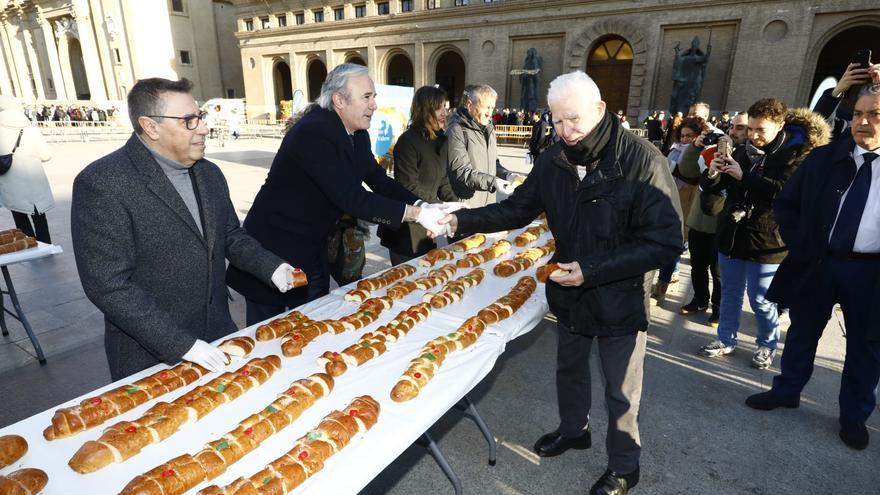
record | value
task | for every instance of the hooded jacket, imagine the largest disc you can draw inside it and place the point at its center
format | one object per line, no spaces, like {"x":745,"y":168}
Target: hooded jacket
{"x":756,"y":236}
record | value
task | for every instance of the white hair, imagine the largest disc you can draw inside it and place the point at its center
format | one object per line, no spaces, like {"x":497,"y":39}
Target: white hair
{"x":337,"y":83}
{"x":573,"y":82}
{"x":474,"y":92}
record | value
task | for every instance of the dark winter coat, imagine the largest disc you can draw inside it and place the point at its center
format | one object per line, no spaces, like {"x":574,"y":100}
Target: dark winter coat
{"x":621,"y":222}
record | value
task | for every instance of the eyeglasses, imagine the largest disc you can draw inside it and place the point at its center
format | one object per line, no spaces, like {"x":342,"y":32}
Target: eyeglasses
{"x":191,"y":121}
{"x":859,"y":115}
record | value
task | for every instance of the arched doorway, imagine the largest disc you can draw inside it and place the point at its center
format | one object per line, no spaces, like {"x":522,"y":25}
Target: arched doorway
{"x":283,"y":87}
{"x":78,"y":70}
{"x":400,"y":71}
{"x":356,"y":60}
{"x":316,"y":74}
{"x":838,"y":52}
{"x":450,"y":75}
{"x":610,"y":65}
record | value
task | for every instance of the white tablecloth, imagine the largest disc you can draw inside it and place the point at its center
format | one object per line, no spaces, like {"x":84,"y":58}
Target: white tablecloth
{"x":352,"y":468}
{"x":41,"y":251}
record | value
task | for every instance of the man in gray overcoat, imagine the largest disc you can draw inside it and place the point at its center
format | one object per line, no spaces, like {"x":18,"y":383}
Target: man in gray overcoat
{"x":152,"y":225}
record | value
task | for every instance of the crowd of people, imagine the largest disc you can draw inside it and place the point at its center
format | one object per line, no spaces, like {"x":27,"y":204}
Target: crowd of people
{"x":71,"y":113}
{"x":780,"y":204}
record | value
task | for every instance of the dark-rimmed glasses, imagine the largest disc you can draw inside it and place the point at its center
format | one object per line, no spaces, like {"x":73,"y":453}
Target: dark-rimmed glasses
{"x":191,"y":121}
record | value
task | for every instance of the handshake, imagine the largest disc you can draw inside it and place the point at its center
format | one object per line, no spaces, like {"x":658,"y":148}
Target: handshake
{"x":431,"y":214}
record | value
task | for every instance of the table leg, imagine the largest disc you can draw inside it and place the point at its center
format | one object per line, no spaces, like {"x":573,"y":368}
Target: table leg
{"x":3,"y":313}
{"x":426,"y":441}
{"x":10,"y":289}
{"x":470,"y":410}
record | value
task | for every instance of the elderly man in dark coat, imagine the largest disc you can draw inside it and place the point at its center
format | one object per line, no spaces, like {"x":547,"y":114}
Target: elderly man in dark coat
{"x":317,"y":176}
{"x":152,"y":227}
{"x":613,"y":208}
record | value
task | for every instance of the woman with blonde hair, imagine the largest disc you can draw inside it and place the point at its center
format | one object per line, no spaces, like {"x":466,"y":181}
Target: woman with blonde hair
{"x":419,"y":167}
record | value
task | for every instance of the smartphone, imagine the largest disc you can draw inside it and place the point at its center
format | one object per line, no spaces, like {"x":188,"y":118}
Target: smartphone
{"x":863,"y":58}
{"x":724,"y":147}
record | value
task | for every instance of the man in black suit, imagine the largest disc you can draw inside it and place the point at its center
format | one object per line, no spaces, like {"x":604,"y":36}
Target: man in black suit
{"x":829,"y":216}
{"x":315,"y":178}
{"x":152,"y":227}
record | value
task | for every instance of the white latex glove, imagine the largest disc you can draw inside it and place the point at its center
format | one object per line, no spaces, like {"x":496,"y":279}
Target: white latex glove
{"x":503,"y":185}
{"x":428,"y":218}
{"x":450,"y":222}
{"x":206,"y":356}
{"x":448,"y":207}
{"x":282,"y":277}
{"x":516,"y":178}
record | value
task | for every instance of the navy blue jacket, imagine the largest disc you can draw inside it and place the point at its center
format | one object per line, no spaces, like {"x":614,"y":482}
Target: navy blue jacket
{"x":805,"y":210}
{"x":316,"y":176}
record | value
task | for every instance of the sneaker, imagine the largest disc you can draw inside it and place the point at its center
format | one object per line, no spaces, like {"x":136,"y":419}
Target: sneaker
{"x":763,"y":358}
{"x":716,"y":349}
{"x":693,"y":307}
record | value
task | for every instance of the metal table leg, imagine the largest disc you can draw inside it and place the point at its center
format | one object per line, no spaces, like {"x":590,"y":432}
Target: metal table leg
{"x":18,"y":315}
{"x":468,"y":409}
{"x":426,"y":441}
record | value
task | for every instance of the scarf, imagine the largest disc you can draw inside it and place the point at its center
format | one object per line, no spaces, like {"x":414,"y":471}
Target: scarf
{"x":586,"y":152}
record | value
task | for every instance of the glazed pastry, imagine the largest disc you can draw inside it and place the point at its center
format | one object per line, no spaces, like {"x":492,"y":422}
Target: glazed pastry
{"x":183,"y":473}
{"x":435,"y":255}
{"x":497,"y":249}
{"x":237,"y":346}
{"x":436,"y":277}
{"x":123,"y":440}
{"x":309,"y":453}
{"x":12,"y":448}
{"x":524,"y":260}
{"x":386,"y":278}
{"x":19,"y":245}
{"x":530,"y":235}
{"x":280,"y":327}
{"x":454,"y":290}
{"x":471,"y":242}
{"x":294,"y":342}
{"x":544,"y":272}
{"x":26,"y":481}
{"x":93,"y":411}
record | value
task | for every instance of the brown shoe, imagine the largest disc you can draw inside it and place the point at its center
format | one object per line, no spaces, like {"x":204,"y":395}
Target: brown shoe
{"x":659,"y":292}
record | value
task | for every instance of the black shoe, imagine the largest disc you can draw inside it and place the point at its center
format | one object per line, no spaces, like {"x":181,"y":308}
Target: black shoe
{"x":612,"y":483}
{"x":553,"y":444}
{"x":854,"y":435}
{"x":713,"y":318}
{"x":768,"y":401}
{"x":693,"y":307}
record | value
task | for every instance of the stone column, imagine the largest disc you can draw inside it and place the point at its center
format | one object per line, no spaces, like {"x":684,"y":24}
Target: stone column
{"x":419,"y":65}
{"x":90,"y":57}
{"x":19,"y":65}
{"x":7,"y":75}
{"x":52,"y":55}
{"x":31,"y":53}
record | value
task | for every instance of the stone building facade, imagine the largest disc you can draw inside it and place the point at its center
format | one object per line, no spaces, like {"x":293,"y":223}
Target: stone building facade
{"x":97,"y":49}
{"x":759,"y":48}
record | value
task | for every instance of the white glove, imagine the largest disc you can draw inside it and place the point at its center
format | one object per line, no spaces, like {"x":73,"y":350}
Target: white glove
{"x":428,"y":218}
{"x":206,"y":356}
{"x":282,"y":277}
{"x":448,"y":207}
{"x":516,"y":178}
{"x":503,"y":185}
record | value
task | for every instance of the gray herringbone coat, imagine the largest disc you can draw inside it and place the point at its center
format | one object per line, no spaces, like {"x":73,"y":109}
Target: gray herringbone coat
{"x":144,"y":264}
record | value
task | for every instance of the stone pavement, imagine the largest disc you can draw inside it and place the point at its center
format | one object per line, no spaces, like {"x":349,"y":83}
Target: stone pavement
{"x":697,"y":434}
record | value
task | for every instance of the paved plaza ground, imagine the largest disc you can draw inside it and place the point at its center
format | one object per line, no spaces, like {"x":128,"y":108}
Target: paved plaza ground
{"x":697,"y":435}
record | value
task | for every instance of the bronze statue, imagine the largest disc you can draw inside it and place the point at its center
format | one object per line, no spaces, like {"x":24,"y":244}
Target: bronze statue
{"x":529,"y":79}
{"x":688,"y":72}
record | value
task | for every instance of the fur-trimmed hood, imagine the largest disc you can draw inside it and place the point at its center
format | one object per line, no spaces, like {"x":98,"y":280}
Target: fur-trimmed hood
{"x":808,"y":129}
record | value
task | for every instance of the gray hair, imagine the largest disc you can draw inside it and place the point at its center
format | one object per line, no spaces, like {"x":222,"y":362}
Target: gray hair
{"x":473,"y":93}
{"x":337,"y":83}
{"x":573,"y":82}
{"x":870,"y":90}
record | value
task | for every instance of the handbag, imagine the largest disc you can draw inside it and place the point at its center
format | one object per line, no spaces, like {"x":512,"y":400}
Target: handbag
{"x":6,"y":160}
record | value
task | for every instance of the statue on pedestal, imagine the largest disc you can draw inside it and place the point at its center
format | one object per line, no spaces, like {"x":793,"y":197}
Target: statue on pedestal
{"x":529,"y":79}
{"x":688,"y":73}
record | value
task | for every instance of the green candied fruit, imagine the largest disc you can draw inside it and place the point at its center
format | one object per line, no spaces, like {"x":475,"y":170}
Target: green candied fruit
{"x":431,"y":357}
{"x":271,"y":409}
{"x":365,"y":343}
{"x":267,"y":479}
{"x":132,"y":390}
{"x":222,"y":445}
{"x":221,"y":387}
{"x":451,"y":335}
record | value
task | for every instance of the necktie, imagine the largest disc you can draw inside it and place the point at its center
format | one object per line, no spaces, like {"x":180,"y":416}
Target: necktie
{"x":844,"y":236}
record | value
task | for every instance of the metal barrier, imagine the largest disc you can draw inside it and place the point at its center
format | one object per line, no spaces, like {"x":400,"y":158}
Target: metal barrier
{"x":513,"y":134}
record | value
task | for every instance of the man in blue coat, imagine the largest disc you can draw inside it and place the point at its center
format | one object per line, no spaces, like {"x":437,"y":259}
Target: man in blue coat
{"x":317,"y":176}
{"x":152,"y":227}
{"x":829,"y":216}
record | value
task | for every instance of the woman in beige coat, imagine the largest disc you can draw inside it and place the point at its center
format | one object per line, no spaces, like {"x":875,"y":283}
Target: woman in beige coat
{"x":24,"y":189}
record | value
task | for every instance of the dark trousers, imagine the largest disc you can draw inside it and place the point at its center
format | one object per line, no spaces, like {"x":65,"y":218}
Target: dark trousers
{"x":704,"y":260}
{"x":851,"y":283}
{"x":319,"y":285}
{"x":40,"y":229}
{"x":622,"y":361}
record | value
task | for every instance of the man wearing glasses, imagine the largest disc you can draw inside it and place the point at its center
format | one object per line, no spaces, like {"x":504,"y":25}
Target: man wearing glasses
{"x":152,"y":226}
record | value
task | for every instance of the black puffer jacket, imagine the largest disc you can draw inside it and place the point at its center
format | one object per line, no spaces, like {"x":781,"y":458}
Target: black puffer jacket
{"x":621,"y":222}
{"x":756,"y":236}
